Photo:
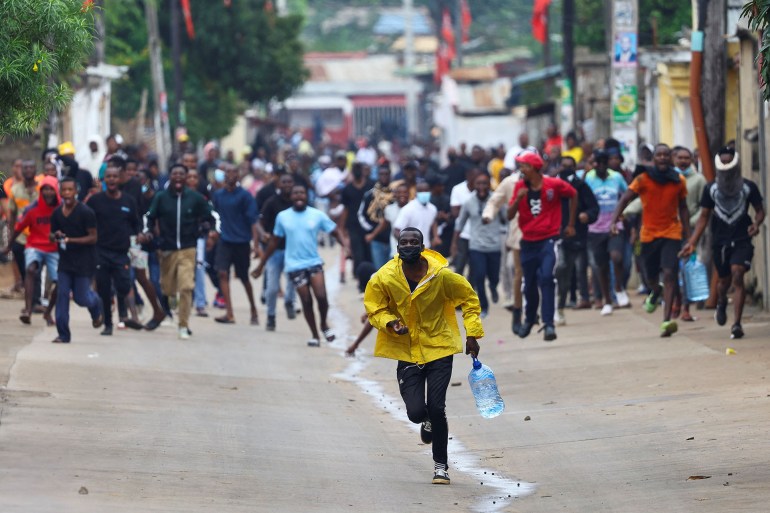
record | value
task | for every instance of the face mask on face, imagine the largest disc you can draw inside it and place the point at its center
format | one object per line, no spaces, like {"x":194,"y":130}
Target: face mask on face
{"x":219,"y":175}
{"x":409,"y":254}
{"x":566,"y":172}
{"x":423,"y":197}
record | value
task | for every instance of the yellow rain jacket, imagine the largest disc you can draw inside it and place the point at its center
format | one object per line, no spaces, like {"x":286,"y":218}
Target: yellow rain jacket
{"x":428,"y":312}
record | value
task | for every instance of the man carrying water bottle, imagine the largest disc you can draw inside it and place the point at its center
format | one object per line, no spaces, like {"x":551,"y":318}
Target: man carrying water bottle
{"x":411,"y":300}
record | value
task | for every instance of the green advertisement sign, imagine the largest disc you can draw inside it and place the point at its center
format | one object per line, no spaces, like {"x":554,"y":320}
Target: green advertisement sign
{"x":625,"y":104}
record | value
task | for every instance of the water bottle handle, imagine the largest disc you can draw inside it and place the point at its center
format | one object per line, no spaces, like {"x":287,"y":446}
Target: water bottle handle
{"x":476,"y":362}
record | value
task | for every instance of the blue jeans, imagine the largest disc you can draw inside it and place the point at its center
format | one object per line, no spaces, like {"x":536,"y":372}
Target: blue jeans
{"x":80,"y":286}
{"x":274,"y":270}
{"x":484,"y":266}
{"x":538,"y":260}
{"x":199,"y":292}
{"x":380,"y":253}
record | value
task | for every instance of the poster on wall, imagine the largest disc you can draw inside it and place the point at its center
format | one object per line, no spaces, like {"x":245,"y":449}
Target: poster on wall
{"x":624,"y":54}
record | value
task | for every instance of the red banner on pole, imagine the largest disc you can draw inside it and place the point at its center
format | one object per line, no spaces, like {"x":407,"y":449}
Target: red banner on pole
{"x":188,"y":18}
{"x":466,"y":20}
{"x":540,"y":20}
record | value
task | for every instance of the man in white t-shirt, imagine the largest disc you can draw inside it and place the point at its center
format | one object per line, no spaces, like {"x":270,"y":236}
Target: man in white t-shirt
{"x":419,"y":213}
{"x":333,"y":176}
{"x":460,"y":194}
{"x":509,"y":161}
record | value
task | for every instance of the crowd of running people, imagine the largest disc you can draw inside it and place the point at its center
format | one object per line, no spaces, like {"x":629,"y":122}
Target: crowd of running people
{"x":537,"y":229}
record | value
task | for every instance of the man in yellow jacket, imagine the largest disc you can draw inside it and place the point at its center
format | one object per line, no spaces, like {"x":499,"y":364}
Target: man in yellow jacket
{"x":411,"y":301}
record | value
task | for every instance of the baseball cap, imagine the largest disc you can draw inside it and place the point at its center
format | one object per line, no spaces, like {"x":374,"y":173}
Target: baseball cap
{"x":531,"y":158}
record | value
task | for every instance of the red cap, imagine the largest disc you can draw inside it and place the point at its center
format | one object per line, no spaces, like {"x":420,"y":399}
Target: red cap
{"x":531,"y":158}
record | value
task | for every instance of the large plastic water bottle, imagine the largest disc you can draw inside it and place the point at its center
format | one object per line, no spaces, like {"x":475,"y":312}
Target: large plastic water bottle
{"x":484,"y":388}
{"x":697,"y":280}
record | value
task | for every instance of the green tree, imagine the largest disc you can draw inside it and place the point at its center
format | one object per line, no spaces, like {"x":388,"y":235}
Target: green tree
{"x":42,"y":42}
{"x":757,"y":12}
{"x":246,"y":49}
{"x":240,"y":55}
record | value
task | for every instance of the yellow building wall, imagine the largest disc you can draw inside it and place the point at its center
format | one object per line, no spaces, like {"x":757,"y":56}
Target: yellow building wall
{"x":732,"y":94}
{"x":674,"y":97}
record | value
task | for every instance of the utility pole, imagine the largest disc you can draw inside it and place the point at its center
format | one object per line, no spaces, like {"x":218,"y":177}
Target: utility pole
{"x":568,"y":22}
{"x":547,"y":54}
{"x":714,"y":73}
{"x":411,"y":95}
{"x":176,"y":58}
{"x":458,"y":32}
{"x":162,"y":129}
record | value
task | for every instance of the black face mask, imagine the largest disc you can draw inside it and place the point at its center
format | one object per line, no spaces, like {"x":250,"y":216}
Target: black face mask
{"x":409,"y":254}
{"x":566,"y":173}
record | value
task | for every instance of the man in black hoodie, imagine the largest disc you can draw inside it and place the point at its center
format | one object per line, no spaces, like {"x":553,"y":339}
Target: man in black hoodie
{"x":175,"y":218}
{"x":573,"y":250}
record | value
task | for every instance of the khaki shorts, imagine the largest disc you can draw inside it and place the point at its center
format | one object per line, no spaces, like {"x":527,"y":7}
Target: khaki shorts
{"x":177,"y":271}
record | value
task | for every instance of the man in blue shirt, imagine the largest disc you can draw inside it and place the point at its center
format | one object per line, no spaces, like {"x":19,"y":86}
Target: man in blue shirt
{"x":299,"y":226}
{"x":238,"y":215}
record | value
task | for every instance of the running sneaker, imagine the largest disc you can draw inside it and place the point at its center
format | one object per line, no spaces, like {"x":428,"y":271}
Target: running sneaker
{"x":736,"y":331}
{"x":426,"y":432}
{"x":440,"y":475}
{"x":219,"y":301}
{"x":549,"y":334}
{"x":270,"y":323}
{"x":184,"y":334}
{"x":484,"y":314}
{"x":606,"y":309}
{"x":314,"y":342}
{"x":623,"y":299}
{"x":720,"y":315}
{"x":559,"y":318}
{"x":651,"y":302}
{"x":526,"y":329}
{"x":668,"y":328}
{"x":291,"y":313}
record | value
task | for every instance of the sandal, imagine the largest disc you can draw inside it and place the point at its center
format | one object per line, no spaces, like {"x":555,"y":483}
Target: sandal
{"x":329,"y":335}
{"x":224,"y":320}
{"x":686,"y":317}
{"x":25,"y":318}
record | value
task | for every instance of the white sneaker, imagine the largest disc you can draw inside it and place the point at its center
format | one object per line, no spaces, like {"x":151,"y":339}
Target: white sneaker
{"x":607,"y":309}
{"x":623,"y":300}
{"x":559,"y":318}
{"x":184,"y":334}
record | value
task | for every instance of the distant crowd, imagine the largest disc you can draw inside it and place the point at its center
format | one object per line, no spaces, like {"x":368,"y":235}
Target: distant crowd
{"x":537,"y":229}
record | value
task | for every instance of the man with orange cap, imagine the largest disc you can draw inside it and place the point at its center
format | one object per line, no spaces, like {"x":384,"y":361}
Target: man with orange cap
{"x":537,"y":201}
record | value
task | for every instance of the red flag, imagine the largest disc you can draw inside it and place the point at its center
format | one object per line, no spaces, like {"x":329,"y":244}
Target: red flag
{"x":443,"y":62}
{"x":188,"y":18}
{"x":448,"y":33}
{"x":466,"y":20}
{"x":540,"y":20}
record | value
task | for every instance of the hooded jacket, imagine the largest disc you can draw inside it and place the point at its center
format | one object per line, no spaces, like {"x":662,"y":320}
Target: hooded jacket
{"x":428,"y":312}
{"x":37,"y":217}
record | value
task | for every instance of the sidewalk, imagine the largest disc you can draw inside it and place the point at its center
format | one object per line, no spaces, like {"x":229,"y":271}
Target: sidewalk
{"x":241,"y":420}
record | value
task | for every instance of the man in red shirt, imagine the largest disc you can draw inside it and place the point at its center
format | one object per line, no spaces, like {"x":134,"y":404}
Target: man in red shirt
{"x":537,"y":201}
{"x":39,"y":250}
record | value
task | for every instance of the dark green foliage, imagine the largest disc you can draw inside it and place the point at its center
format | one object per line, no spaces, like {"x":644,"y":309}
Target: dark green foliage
{"x":41,"y":43}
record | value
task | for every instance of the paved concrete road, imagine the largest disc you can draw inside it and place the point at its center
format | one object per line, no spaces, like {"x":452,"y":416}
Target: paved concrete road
{"x":239,"y":420}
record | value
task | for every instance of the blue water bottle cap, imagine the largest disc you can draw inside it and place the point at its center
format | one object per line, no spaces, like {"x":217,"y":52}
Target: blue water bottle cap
{"x":476,"y":364}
